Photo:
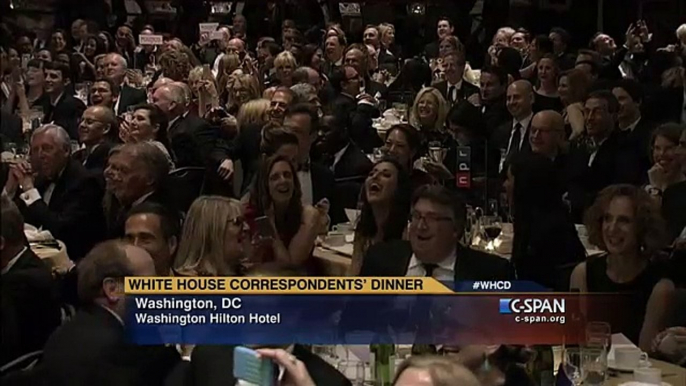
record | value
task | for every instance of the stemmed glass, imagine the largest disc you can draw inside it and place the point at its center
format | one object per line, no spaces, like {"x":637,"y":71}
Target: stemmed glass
{"x":491,"y":226}
{"x":571,"y":363}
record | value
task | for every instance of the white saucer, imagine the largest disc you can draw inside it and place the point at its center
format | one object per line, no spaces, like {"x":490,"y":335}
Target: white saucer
{"x":612,"y":365}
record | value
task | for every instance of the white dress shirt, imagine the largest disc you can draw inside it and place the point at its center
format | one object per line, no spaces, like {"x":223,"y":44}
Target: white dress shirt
{"x":524,"y":123}
{"x":305,"y":178}
{"x":32,"y":195}
{"x":444,"y":271}
{"x":337,"y":157}
{"x":595,"y":152}
{"x":13,"y":261}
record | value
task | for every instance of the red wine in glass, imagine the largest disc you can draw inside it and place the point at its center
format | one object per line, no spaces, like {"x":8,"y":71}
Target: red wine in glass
{"x":492,"y":231}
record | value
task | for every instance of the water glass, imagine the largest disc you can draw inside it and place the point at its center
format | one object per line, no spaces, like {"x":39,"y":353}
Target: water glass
{"x":571,"y":363}
{"x":599,"y":335}
{"x":593,"y":366}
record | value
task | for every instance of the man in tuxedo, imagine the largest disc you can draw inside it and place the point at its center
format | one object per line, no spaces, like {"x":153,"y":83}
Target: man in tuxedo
{"x":193,"y":141}
{"x":444,"y":28}
{"x":334,"y":46}
{"x":491,"y":98}
{"x":104,"y":92}
{"x":96,"y":123}
{"x":345,"y":159}
{"x":353,"y":112}
{"x":437,"y":225}
{"x":601,"y":159}
{"x":634,"y":129}
{"x":357,"y":57}
{"x":135,"y":174}
{"x":61,"y":107}
{"x":547,"y":133}
{"x":513,"y":136}
{"x":316,"y":180}
{"x":454,"y":89}
{"x":156,"y":229}
{"x":56,"y":192}
{"x":92,"y":348}
{"x":30,"y":309}
{"x":281,"y":100}
{"x":115,"y":71}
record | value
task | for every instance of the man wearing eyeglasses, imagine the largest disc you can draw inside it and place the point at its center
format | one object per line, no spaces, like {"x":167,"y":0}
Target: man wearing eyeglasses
{"x":96,"y":124}
{"x":437,"y":225}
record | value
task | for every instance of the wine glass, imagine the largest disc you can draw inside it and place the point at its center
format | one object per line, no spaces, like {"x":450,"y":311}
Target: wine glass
{"x":593,"y":366}
{"x":491,"y":226}
{"x":571,"y":363}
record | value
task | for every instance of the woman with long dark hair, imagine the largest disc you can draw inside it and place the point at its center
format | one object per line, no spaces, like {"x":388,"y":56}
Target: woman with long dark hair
{"x":403,"y":142}
{"x":546,"y":246}
{"x":385,"y":207}
{"x":276,"y":197}
{"x":85,"y":61}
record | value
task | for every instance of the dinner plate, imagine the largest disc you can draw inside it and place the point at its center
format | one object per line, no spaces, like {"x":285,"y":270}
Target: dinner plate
{"x":612,"y":365}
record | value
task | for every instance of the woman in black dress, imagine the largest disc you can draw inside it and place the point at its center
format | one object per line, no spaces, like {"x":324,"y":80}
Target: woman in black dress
{"x":625,"y":222}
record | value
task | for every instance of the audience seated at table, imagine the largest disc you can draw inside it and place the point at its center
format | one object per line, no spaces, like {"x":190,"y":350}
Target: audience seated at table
{"x":624,"y":222}
{"x":546,"y":246}
{"x":135,"y":173}
{"x":403,"y":142}
{"x":92,"y":348}
{"x":290,"y":228}
{"x":213,"y":238}
{"x":385,"y":207}
{"x":428,"y":114}
{"x":61,"y":196}
{"x":436,"y":226}
{"x":156,"y":229}
{"x":30,"y":301}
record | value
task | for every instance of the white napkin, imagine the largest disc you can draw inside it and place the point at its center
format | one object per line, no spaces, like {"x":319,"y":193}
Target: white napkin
{"x":34,"y":235}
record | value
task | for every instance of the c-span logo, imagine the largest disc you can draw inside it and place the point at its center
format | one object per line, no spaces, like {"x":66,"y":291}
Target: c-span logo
{"x":531,"y":306}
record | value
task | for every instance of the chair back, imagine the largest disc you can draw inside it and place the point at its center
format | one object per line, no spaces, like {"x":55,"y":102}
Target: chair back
{"x":184,"y":185}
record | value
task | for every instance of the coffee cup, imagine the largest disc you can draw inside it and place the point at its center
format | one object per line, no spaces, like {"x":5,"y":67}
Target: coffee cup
{"x":648,"y":375}
{"x":335,"y":239}
{"x":344,"y":228}
{"x":630,"y":358}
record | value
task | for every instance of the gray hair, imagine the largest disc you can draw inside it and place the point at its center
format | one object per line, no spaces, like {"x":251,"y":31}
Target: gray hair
{"x":120,"y":59}
{"x":60,"y":135}
{"x":681,"y":31}
{"x":155,"y":161}
{"x":303,"y":92}
{"x":177,"y":93}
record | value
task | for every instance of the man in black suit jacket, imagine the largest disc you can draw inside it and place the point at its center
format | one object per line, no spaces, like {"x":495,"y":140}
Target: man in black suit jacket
{"x":454,"y":88}
{"x":601,"y":159}
{"x":92,"y":348}
{"x":193,"y":141}
{"x":115,"y":71}
{"x":30,"y":308}
{"x":213,"y":365}
{"x":62,"y":196}
{"x":96,"y":123}
{"x":492,"y":98}
{"x":316,"y":180}
{"x":356,"y":56}
{"x":61,"y":107}
{"x":636,"y":131}
{"x":438,"y":219}
{"x":444,"y":28}
{"x":356,"y":116}
{"x":126,"y":167}
{"x":513,"y":136}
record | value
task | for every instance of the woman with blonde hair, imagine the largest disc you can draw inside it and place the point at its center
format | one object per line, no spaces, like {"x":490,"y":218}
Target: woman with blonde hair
{"x":429,"y":111}
{"x":227,"y":65}
{"x":240,"y":89}
{"x":284,"y":65}
{"x":430,"y":370}
{"x":253,"y":113}
{"x":211,"y":242}
{"x":204,"y":89}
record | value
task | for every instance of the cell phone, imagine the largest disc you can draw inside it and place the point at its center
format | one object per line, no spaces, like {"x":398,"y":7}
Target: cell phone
{"x":263,"y":228}
{"x":250,"y":367}
{"x":207,"y":72}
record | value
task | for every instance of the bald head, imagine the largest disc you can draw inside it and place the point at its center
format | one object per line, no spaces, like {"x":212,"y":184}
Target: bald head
{"x":547,"y":133}
{"x":235,"y":46}
{"x":161,"y":82}
{"x":171,"y":99}
{"x":520,"y":99}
